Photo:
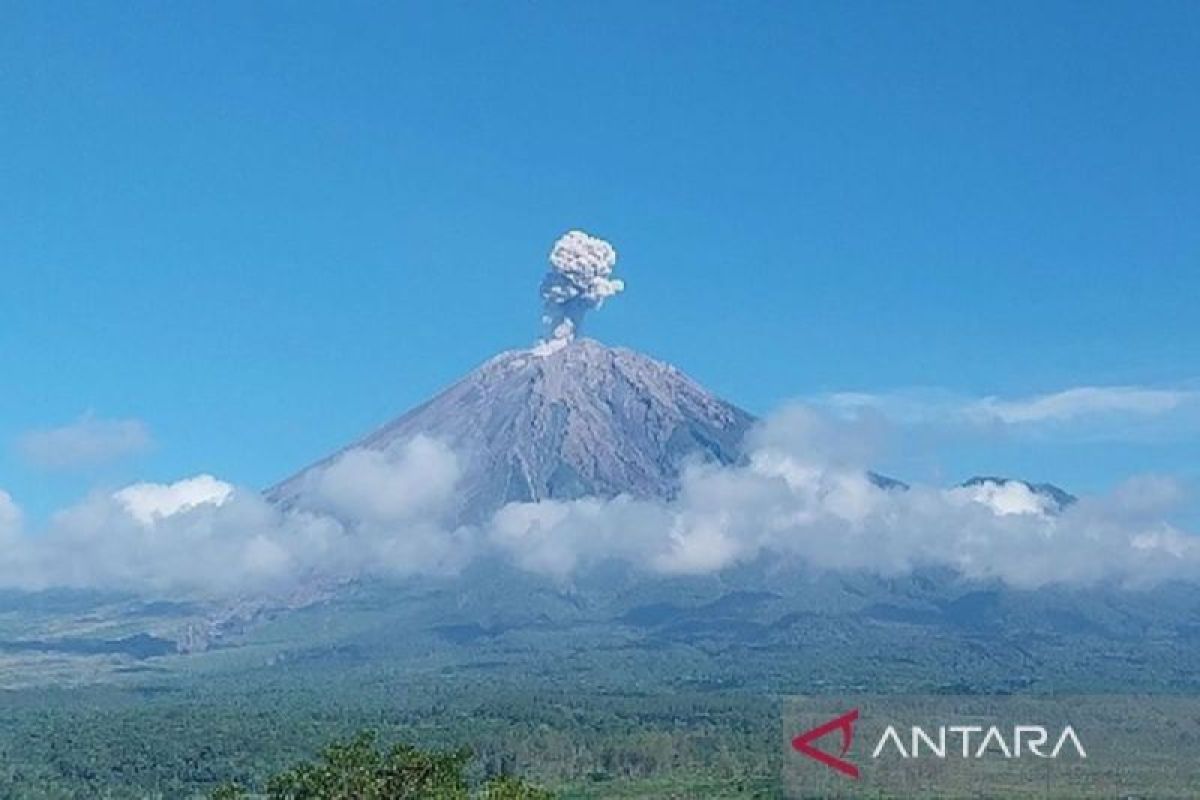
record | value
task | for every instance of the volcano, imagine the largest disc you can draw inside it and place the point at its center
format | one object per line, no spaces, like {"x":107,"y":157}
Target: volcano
{"x":580,"y":420}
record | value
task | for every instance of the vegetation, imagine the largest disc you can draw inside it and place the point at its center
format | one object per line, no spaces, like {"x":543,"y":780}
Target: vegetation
{"x":357,"y":769}
{"x":669,"y":691}
{"x":271,"y":742}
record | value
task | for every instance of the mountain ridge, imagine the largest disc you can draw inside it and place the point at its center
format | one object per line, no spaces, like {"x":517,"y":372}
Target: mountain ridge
{"x":583,"y":419}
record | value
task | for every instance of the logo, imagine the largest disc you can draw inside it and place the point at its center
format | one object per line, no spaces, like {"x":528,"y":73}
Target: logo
{"x":845,"y":723}
{"x":971,"y":742}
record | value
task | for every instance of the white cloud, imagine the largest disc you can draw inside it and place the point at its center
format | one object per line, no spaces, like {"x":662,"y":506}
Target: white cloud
{"x":844,"y":522}
{"x":821,"y":438}
{"x":803,"y":495}
{"x":10,"y":518}
{"x":1095,"y":413}
{"x":1081,"y":402}
{"x":88,"y":441}
{"x":788,"y":504}
{"x":1009,"y":497}
{"x":148,"y":502}
{"x":236,"y":546}
{"x":415,"y":482}
{"x":559,"y":537}
{"x":370,"y":513}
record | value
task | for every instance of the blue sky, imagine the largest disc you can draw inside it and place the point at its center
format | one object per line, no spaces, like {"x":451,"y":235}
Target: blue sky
{"x":256,"y":230}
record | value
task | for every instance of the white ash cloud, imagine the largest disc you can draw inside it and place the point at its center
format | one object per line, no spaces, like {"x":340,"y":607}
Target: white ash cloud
{"x":86,"y":442}
{"x":803,"y":495}
{"x":579,"y":279}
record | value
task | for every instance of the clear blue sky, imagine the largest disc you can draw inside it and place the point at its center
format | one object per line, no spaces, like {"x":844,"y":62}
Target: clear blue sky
{"x":264,"y":228}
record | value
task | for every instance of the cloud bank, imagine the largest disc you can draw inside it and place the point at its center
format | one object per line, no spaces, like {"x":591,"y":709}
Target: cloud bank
{"x":367,"y":514}
{"x":803,"y":495}
{"x":87,"y":442}
{"x":786,"y":504}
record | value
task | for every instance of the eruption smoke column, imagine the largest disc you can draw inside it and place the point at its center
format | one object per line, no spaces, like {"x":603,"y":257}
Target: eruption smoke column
{"x":578,"y":280}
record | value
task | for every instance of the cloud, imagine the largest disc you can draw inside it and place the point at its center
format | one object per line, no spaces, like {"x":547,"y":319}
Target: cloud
{"x":89,"y":441}
{"x":1093,"y":413}
{"x":370,"y":514}
{"x":394,"y":509}
{"x":842,"y":521}
{"x":10,"y":518}
{"x":1009,"y":497}
{"x":579,"y":279}
{"x":416,"y":482}
{"x":1079,"y":402}
{"x":802,"y":496}
{"x":237,"y":546}
{"x":148,"y":502}
{"x":557,"y":538}
{"x":798,"y":428}
{"x":787,"y":504}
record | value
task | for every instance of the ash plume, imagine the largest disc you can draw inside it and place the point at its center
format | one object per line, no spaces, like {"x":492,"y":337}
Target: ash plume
{"x":579,"y":280}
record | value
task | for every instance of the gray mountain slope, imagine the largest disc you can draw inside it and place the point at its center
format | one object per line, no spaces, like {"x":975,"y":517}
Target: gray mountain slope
{"x":585,"y":420}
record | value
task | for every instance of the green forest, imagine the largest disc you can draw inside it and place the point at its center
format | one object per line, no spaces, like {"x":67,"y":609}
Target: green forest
{"x":456,"y":742}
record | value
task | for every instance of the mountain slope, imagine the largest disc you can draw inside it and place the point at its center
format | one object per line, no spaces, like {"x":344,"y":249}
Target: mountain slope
{"x":583,"y":420}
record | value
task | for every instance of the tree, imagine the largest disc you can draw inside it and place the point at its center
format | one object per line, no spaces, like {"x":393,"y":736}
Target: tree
{"x":229,"y":791}
{"x":510,"y":787}
{"x":358,"y":769}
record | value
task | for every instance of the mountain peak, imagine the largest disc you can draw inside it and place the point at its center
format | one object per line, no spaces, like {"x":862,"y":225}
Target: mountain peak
{"x":576,"y":420}
{"x":999,"y":492}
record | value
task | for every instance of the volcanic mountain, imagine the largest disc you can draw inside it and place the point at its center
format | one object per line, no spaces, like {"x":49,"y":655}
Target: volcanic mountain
{"x":580,"y":420}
